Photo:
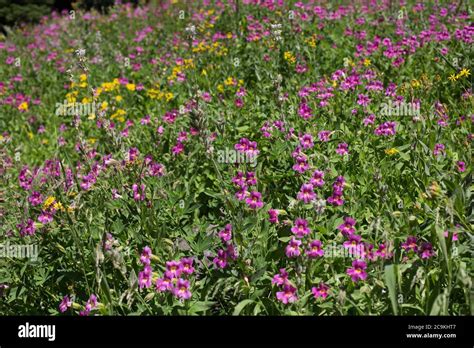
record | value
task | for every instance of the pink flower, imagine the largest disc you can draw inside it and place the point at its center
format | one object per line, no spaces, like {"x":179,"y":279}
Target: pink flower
{"x":145,"y":256}
{"x":273,"y":216}
{"x":221,"y":259}
{"x":186,"y":265}
{"x":353,"y":241}
{"x":320,"y":291}
{"x":164,"y":284}
{"x":144,"y":277}
{"x":281,"y":278}
{"x":174,"y":268}
{"x":65,"y":304}
{"x":138,"y":192}
{"x":342,"y":149}
{"x":226,"y":234}
{"x":181,"y":289}
{"x":293,"y":248}
{"x":461,"y":166}
{"x":254,"y":201}
{"x":306,"y":141}
{"x":347,"y":228}
{"x":410,"y":244}
{"x":317,"y":179}
{"x":439,"y":149}
{"x":315,"y":249}
{"x":300,"y":229}
{"x":288,"y":295}
{"x":426,"y":250}
{"x":324,"y":135}
{"x":306,"y":193}
{"x":357,"y":271}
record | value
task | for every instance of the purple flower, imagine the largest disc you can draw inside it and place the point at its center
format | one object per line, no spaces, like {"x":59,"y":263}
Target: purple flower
{"x":353,"y":241}
{"x":347,"y":228}
{"x":186,"y":265}
{"x":305,"y":111}
{"x":226,"y":234}
{"x":288,"y":295}
{"x":342,"y":149}
{"x":65,"y":304}
{"x":410,"y":244}
{"x":301,"y":164}
{"x":386,"y":129}
{"x":461,"y":166}
{"x":138,"y":192}
{"x":426,"y":250}
{"x":300,"y":229}
{"x":317,"y":179}
{"x":254,"y":201}
{"x":324,"y":135}
{"x":174,"y":268}
{"x":164,"y":284}
{"x":281,"y":278}
{"x":45,"y":218}
{"x":357,"y":271}
{"x":221,"y":259}
{"x":439,"y":149}
{"x":181,"y":289}
{"x":306,"y":193}
{"x":315,"y":249}
{"x":293,"y":248}
{"x":145,"y":256}
{"x":27,"y":229}
{"x":320,"y":291}
{"x":35,"y":198}
{"x":273,"y":216}
{"x":306,"y":141}
{"x":144,"y":277}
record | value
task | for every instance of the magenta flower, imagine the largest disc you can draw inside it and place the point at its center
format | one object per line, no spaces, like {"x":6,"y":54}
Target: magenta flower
{"x":221,"y":259}
{"x":353,"y":241}
{"x":347,"y":228}
{"x":300,"y":229}
{"x":426,"y":250}
{"x":386,"y":129}
{"x":239,"y":179}
{"x":178,"y":148}
{"x":363,"y":100}
{"x":306,"y":141}
{"x":301,"y":164}
{"x":181,"y":289}
{"x":45,"y":218}
{"x":439,"y":149}
{"x":324,"y":135}
{"x":35,"y":198}
{"x":306,"y":193}
{"x":138,"y":192}
{"x":357,"y":271}
{"x":382,"y":252}
{"x":144,"y":277}
{"x":27,"y":229}
{"x":315,"y":249}
{"x":164,"y":284}
{"x":461,"y":166}
{"x":273,"y":216}
{"x":455,"y":235}
{"x":293,"y":248}
{"x":174,"y":268}
{"x":320,"y":291}
{"x":305,"y":111}
{"x":226,"y":234}
{"x":281,"y":278}
{"x":254,"y":201}
{"x":145,"y":256}
{"x":186,"y":265}
{"x":65,"y":304}
{"x":342,"y":149}
{"x":410,"y":244}
{"x":288,"y":295}
{"x":318,"y":178}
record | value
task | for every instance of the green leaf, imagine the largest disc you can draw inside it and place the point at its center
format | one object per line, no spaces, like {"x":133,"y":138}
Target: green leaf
{"x":241,"y":306}
{"x":391,"y":281}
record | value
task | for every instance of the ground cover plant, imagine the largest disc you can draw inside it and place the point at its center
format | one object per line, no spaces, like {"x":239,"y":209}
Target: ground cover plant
{"x":238,"y":157}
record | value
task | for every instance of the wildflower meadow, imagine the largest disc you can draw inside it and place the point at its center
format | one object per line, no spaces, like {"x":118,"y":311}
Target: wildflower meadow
{"x":240,"y":157}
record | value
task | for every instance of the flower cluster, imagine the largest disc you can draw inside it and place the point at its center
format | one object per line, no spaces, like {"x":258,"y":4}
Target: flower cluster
{"x":230,"y":251}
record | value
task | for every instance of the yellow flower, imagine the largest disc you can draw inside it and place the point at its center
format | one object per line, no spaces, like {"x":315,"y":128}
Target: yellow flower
{"x":229,"y":81}
{"x":464,"y":72}
{"x":204,"y":72}
{"x":23,"y":106}
{"x":92,"y":141}
{"x":453,"y":77}
{"x":169,"y":96}
{"x":367,"y":62}
{"x":391,"y":151}
{"x":30,"y":135}
{"x":118,"y":98}
{"x":415,"y":83}
{"x":50,"y":200}
{"x":104,"y":105}
{"x":83,"y":77}
{"x":220,"y":88}
{"x":289,"y":57}
{"x":130,"y":86}
{"x":58,"y":206}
